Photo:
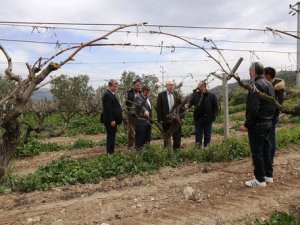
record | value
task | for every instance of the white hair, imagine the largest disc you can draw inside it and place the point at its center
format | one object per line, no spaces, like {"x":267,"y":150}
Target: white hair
{"x":169,"y":82}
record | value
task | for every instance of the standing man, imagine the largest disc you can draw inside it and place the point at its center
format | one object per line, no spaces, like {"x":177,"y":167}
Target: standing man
{"x":112,"y":115}
{"x":279,"y":86}
{"x":143,"y":110}
{"x":259,"y":117}
{"x":206,"y":110}
{"x":130,"y":98}
{"x":166,"y":100}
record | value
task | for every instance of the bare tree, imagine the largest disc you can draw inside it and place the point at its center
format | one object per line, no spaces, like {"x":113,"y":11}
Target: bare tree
{"x":20,"y":95}
{"x":231,"y":73}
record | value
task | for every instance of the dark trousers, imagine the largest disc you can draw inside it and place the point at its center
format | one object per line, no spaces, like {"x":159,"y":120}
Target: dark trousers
{"x":203,"y":127}
{"x":110,"y":138}
{"x":142,"y":135}
{"x":273,"y":139}
{"x":176,"y":135}
{"x":259,"y":140}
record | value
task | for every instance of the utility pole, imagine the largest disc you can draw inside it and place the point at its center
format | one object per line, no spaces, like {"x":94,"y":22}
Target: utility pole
{"x":225,"y":79}
{"x":295,"y":9}
{"x":163,"y":77}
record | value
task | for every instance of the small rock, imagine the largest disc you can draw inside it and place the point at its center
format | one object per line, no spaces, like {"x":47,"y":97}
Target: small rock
{"x":188,"y":192}
{"x":117,"y":216}
{"x":104,"y":224}
{"x":205,"y":170}
{"x":139,"y":205}
{"x":152,"y":199}
{"x":135,"y":199}
{"x":33,"y":220}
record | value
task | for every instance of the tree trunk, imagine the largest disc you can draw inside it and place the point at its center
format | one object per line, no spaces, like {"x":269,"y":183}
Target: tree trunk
{"x":8,"y":144}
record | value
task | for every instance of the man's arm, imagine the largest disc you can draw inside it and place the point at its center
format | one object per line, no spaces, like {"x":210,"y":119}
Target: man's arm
{"x":253,"y":109}
{"x":159,"y":107}
{"x":107,"y":108}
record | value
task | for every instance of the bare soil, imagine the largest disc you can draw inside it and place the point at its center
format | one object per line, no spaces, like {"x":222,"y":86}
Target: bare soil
{"x":220,"y":196}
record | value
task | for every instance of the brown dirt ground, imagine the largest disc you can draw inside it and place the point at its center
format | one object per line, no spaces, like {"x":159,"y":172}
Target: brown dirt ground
{"x":221,"y":197}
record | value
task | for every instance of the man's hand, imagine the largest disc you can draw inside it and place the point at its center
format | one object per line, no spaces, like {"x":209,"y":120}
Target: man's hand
{"x":147,"y":114}
{"x":186,"y":106}
{"x":243,"y":128}
{"x":113,"y":123}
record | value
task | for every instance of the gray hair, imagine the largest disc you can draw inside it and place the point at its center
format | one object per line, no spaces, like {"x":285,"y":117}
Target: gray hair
{"x":170,"y":82}
{"x":257,"y":67}
{"x":111,"y":82}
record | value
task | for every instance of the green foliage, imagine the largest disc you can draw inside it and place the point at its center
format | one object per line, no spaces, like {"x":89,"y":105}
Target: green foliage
{"x":84,"y":124}
{"x":218,"y":130}
{"x":279,"y":218}
{"x":6,"y":86}
{"x":83,"y":143}
{"x":237,"y":108}
{"x":70,"y":92}
{"x":66,"y":171}
{"x":121,"y":139}
{"x":238,"y":97}
{"x":34,"y":147}
{"x":285,"y":137}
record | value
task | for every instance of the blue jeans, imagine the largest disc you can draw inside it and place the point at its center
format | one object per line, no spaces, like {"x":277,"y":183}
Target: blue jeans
{"x":203,"y":128}
{"x":273,"y":139}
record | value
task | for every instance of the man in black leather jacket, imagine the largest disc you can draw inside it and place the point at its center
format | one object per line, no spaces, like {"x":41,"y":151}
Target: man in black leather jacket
{"x":206,"y":110}
{"x":259,"y":116}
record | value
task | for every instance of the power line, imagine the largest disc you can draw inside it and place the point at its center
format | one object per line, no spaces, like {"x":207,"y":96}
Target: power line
{"x":144,"y":32}
{"x":147,"y":25}
{"x":149,"y":46}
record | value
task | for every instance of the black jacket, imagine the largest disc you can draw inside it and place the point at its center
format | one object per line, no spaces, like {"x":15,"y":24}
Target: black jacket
{"x":257,"y":109}
{"x":163,"y":105}
{"x":140,"y":108}
{"x":130,"y":97}
{"x":279,"y":86}
{"x":112,"y":110}
{"x":207,"y":108}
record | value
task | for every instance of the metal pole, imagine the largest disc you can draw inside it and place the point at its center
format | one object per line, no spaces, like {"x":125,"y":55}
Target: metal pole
{"x":162,"y":77}
{"x":225,"y":106}
{"x":298,"y":46}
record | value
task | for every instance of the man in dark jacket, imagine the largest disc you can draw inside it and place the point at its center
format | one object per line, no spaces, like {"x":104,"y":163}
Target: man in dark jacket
{"x":206,"y":109}
{"x":143,"y":110}
{"x":166,"y":100}
{"x":279,"y":86}
{"x":259,"y":117}
{"x":131,"y":95}
{"x":112,"y":115}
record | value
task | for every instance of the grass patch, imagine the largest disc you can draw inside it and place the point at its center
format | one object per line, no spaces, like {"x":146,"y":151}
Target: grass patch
{"x":279,"y":218}
{"x":34,"y":147}
{"x":66,"y":171}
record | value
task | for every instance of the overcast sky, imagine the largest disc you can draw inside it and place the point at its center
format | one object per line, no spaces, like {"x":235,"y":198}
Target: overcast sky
{"x":102,"y":63}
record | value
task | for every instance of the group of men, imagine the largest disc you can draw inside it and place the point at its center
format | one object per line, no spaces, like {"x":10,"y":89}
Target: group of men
{"x":261,"y":120}
{"x":261,"y":117}
{"x":139,"y":114}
